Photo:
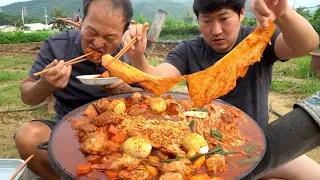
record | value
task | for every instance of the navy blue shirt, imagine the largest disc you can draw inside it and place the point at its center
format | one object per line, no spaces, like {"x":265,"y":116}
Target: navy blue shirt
{"x":251,"y":92}
{"x":67,"y":46}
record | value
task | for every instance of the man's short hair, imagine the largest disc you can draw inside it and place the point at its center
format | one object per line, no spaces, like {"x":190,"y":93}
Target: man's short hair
{"x":124,"y":5}
{"x":209,"y":6}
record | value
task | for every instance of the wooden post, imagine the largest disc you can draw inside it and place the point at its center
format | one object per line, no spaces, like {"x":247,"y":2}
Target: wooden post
{"x":155,"y":30}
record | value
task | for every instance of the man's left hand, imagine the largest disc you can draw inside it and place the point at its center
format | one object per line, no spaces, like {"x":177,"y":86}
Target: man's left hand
{"x":119,"y":87}
{"x":265,"y":10}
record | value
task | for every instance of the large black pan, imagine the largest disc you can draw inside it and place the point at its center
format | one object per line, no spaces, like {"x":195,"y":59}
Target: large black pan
{"x":65,"y":156}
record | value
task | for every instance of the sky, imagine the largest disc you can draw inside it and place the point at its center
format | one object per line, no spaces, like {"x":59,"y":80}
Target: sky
{"x":305,"y":3}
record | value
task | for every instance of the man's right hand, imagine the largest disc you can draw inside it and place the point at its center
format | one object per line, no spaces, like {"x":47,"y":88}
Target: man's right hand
{"x":58,"y":76}
{"x":137,"y":50}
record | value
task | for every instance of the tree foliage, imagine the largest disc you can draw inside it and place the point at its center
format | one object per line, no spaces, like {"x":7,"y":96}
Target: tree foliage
{"x":58,"y":12}
{"x":16,"y":20}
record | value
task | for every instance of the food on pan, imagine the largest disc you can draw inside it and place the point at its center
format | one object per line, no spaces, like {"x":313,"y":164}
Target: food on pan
{"x":146,"y":137}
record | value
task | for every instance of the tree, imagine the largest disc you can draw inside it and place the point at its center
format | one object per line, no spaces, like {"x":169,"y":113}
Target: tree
{"x":188,"y":18}
{"x":316,"y":20}
{"x":249,"y":21}
{"x":59,"y":13}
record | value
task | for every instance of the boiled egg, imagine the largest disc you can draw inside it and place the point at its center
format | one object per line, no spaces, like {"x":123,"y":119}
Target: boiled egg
{"x":137,"y":146}
{"x":158,"y":105}
{"x":195,"y":142}
{"x":117,"y":106}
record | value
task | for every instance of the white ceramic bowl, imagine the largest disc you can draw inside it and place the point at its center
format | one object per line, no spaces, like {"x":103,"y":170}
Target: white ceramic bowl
{"x":93,"y":80}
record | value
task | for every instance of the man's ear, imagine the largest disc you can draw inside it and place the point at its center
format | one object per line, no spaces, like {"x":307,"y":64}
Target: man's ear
{"x":242,"y":13}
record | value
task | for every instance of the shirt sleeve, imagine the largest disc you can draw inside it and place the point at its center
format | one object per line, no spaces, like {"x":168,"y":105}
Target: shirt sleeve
{"x":44,"y":57}
{"x":178,"y":57}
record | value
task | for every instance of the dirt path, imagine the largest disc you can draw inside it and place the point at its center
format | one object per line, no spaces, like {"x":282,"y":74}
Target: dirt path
{"x":281,"y":103}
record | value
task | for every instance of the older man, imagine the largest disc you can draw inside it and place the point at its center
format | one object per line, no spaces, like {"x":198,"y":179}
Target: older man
{"x":104,"y":23}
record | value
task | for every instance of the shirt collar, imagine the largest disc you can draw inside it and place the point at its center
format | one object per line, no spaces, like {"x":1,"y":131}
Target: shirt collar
{"x":77,"y":50}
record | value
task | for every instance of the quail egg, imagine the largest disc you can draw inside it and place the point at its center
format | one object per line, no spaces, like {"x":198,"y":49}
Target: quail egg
{"x":195,"y":142}
{"x":117,"y":106}
{"x":158,"y":105}
{"x":137,"y":146}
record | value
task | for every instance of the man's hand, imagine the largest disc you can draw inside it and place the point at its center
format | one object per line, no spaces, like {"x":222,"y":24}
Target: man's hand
{"x":58,"y":76}
{"x":268,"y":9}
{"x":138,"y":49}
{"x":119,"y":87}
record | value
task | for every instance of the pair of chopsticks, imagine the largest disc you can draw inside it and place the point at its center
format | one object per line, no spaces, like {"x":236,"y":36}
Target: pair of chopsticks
{"x":73,"y":61}
{"x":82,"y":58}
{"x":21,"y":167}
{"x":124,"y":50}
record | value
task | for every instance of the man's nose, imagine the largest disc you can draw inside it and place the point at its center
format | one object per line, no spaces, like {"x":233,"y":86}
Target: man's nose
{"x":99,"y":42}
{"x":216,"y":29}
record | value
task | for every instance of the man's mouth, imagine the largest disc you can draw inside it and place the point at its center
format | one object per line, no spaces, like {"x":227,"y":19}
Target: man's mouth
{"x":217,"y":39}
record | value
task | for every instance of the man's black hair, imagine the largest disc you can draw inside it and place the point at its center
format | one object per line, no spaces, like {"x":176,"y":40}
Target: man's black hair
{"x":209,"y":6}
{"x":124,"y":5}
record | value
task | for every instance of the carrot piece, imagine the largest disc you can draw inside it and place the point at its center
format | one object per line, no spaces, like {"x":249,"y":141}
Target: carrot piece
{"x":113,"y":130}
{"x":112,"y":174}
{"x":83,"y":169}
{"x":118,"y":138}
{"x":113,"y":146}
{"x":200,"y":177}
{"x":199,"y":162}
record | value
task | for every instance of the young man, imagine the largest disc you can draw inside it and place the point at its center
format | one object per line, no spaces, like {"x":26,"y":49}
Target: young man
{"x":104,"y":23}
{"x":220,"y":25}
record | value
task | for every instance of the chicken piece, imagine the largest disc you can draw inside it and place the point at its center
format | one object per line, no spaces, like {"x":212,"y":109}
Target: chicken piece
{"x":117,"y":106}
{"x":135,"y":133}
{"x":141,"y":173}
{"x":102,"y":105}
{"x":90,"y":112}
{"x":106,"y":74}
{"x":150,"y":162}
{"x":216,"y":163}
{"x":110,"y":158}
{"x":126,"y":162}
{"x":183,"y":166}
{"x":91,"y":158}
{"x":174,"y":149}
{"x":171,"y":175}
{"x":78,"y":123}
{"x":95,"y":143}
{"x":168,"y":96}
{"x":163,"y":155}
{"x":84,"y":130}
{"x":158,"y":105}
{"x":185,"y":104}
{"x":173,"y":108}
{"x":145,"y":96}
{"x":95,"y":56}
{"x":138,"y":109}
{"x":106,"y":119}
